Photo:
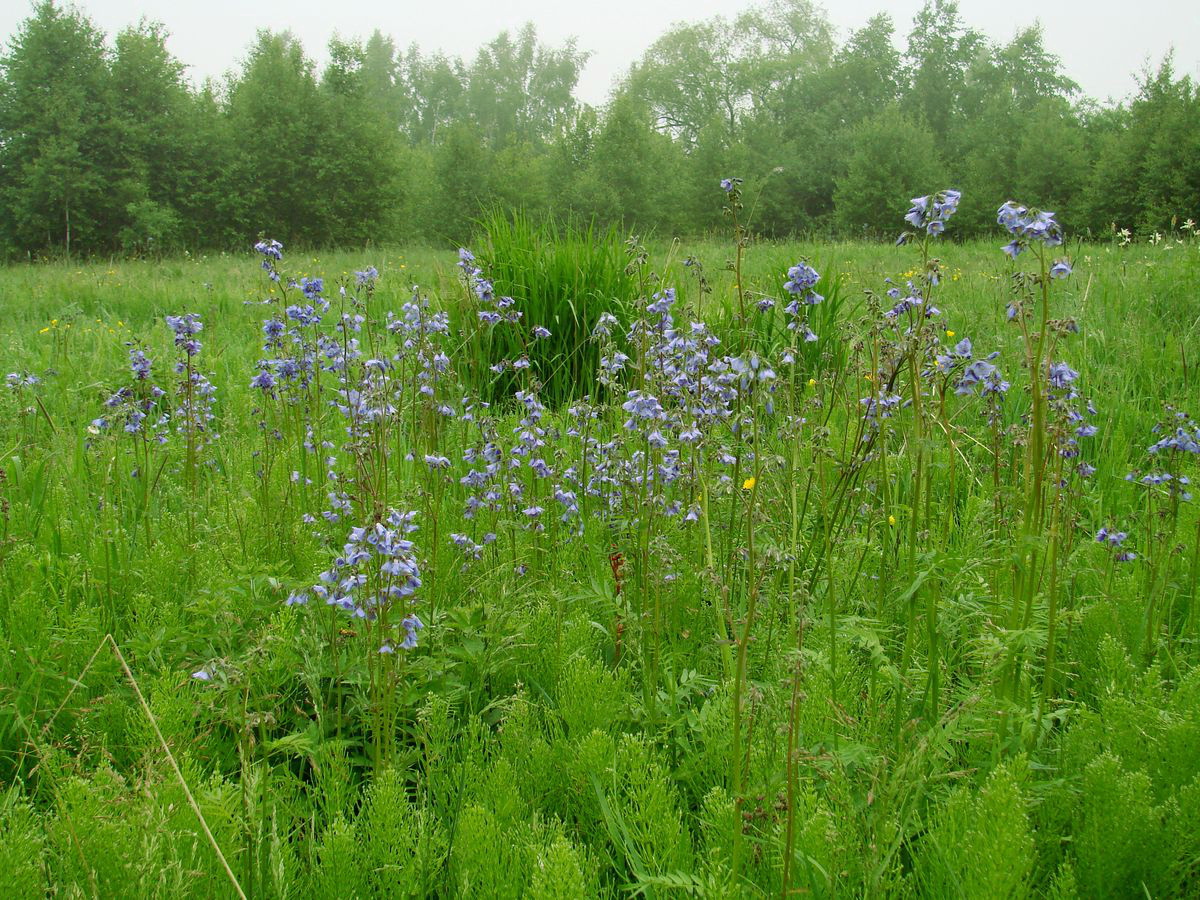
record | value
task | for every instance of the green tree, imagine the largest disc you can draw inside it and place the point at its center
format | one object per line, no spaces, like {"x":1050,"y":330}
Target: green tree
{"x":894,"y":159}
{"x":460,"y":188}
{"x":813,"y":121}
{"x":1014,"y":132}
{"x":940,"y":52}
{"x":521,"y":91}
{"x":358,"y":155}
{"x":154,"y":153}
{"x":278,"y":116}
{"x":436,"y":86}
{"x":1050,"y":163}
{"x":57,"y":137}
{"x":688,"y":79}
{"x":383,"y":79}
{"x":717,"y":72}
{"x":777,"y":45}
{"x":1170,"y":185}
{"x":1146,"y":171}
{"x":632,"y":173}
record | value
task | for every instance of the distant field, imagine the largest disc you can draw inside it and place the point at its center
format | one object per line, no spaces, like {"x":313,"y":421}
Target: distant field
{"x":855,"y":624}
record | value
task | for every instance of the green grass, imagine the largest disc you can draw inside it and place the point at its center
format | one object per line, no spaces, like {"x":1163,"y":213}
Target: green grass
{"x":566,"y":276}
{"x":553,"y":736}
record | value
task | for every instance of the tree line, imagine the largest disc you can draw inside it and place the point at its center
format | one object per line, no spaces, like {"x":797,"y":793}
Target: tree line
{"x":107,"y":147}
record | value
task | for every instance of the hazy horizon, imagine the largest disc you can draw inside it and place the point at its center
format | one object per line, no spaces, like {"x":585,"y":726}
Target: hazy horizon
{"x":1101,"y":46}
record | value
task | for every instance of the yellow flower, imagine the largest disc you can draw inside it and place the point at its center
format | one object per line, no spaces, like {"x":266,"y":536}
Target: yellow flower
{"x":44,"y":330}
{"x":748,"y":484}
{"x":949,"y":333}
{"x":891,"y":520}
{"x":812,"y":382}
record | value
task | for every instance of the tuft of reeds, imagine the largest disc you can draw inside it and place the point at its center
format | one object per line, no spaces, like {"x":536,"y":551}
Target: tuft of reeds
{"x":564,"y":274}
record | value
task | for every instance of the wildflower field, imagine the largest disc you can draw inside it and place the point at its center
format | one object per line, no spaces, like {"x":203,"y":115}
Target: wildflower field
{"x":570,"y":565}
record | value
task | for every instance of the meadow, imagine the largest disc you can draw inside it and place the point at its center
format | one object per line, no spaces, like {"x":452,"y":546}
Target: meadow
{"x":573,"y":566}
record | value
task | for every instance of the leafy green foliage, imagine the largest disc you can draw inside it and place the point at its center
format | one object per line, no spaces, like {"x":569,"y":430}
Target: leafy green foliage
{"x":106,"y":148}
{"x":891,"y":154}
{"x":980,"y":845}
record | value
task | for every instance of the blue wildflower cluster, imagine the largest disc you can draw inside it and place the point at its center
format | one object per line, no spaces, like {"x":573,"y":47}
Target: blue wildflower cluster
{"x":510,"y":480}
{"x":292,"y":341}
{"x":185,"y":328}
{"x":194,"y":416}
{"x":1029,"y":226}
{"x":1184,"y":437}
{"x":375,"y":578}
{"x":18,"y":380}
{"x":681,"y":409}
{"x":1179,"y":444}
{"x":801,"y":281}
{"x":136,"y":409}
{"x":493,"y":309}
{"x":909,"y":303}
{"x":422,"y":334}
{"x":272,"y":252}
{"x":931,"y":212}
{"x":881,"y":405}
{"x":1068,"y":424}
{"x":1112,"y":541}
{"x":971,"y":374}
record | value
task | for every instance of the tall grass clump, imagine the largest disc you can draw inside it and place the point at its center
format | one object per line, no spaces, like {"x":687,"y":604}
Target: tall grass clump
{"x":565,"y":275}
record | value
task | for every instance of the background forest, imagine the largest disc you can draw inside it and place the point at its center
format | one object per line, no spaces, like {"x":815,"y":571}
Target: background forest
{"x":106,"y":147}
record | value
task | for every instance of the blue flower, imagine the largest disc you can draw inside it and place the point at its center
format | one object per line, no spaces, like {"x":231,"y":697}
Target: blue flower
{"x":1029,"y":225}
{"x":270,"y":249}
{"x":931,"y":212}
{"x":1061,"y":375}
{"x":139,"y":364}
{"x":802,"y":278}
{"x":411,"y":625}
{"x":186,"y":327}
{"x":662,"y":302}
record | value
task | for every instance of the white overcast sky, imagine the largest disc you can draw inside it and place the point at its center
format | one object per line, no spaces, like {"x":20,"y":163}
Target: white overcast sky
{"x":1103,"y":43}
